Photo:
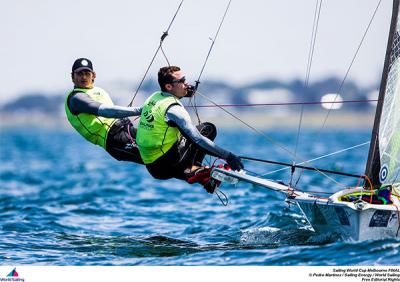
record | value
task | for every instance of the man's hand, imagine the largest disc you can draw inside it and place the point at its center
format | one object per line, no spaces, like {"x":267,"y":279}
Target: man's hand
{"x":234,"y":162}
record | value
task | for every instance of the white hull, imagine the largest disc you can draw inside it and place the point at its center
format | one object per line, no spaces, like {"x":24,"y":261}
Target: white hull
{"x":356,"y":221}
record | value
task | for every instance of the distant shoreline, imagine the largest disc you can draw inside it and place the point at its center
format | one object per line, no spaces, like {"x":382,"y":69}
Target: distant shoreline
{"x":259,"y":120}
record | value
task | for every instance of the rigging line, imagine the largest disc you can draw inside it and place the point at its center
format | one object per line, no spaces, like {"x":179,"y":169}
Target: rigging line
{"x":313,"y":40}
{"x":347,"y":73}
{"x":165,"y":56}
{"x":192,"y":104}
{"x":303,"y":167}
{"x":287,"y":104}
{"x":163,"y":36}
{"x":349,"y":68}
{"x":224,"y":201}
{"x":248,"y":125}
{"x":267,"y":137}
{"x":317,"y":14}
{"x":197,"y":82}
{"x":320,"y":157}
{"x":212,"y":44}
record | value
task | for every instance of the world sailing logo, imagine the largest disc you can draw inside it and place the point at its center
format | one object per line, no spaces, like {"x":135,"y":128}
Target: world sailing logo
{"x":13,"y":273}
{"x":13,"y":277}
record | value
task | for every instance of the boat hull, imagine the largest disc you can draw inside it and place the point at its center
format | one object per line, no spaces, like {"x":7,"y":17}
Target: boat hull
{"x":354,"y":221}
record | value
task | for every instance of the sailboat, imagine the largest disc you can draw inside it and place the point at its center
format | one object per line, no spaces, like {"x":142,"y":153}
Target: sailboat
{"x":355,"y":213}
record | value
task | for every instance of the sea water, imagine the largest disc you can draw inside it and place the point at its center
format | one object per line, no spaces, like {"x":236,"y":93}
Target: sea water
{"x":66,"y":202}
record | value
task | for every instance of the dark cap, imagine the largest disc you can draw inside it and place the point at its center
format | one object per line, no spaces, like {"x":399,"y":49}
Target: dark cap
{"x":82,"y":64}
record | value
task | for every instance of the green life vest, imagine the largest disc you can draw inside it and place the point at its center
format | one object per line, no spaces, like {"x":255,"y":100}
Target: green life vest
{"x":154,"y":136}
{"x":92,"y":128}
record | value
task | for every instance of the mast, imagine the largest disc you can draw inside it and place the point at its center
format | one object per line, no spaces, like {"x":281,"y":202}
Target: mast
{"x":373,"y":166}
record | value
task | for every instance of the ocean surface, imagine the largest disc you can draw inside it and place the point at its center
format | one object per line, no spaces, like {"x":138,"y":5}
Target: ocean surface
{"x":66,"y":202}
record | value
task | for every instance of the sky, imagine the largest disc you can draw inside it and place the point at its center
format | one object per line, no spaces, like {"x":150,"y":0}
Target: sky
{"x":259,"y":39}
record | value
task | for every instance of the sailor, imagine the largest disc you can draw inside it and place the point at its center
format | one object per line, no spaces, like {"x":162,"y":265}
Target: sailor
{"x":92,"y":113}
{"x":169,"y":144}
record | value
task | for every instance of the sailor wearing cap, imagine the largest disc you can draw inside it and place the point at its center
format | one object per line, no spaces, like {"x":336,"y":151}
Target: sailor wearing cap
{"x":93,"y":115}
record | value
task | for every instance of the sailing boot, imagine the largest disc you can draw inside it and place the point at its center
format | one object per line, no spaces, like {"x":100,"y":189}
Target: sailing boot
{"x":202,"y":176}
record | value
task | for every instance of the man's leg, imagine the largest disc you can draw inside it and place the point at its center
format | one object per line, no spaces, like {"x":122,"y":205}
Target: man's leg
{"x":191,"y":155}
{"x":208,"y":130}
{"x":192,"y":158}
{"x":121,"y":142}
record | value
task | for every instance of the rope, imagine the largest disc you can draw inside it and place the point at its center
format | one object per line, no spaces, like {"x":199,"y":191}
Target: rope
{"x":348,"y":69}
{"x":307,"y":78}
{"x":212,"y":44}
{"x":271,"y":140}
{"x":284,"y":104}
{"x":192,"y":104}
{"x":343,"y":80}
{"x":163,"y":36}
{"x":293,"y":166}
{"x":206,"y":60}
{"x":320,"y":157}
{"x":276,"y":143}
{"x":225,"y":201}
{"x":313,"y":40}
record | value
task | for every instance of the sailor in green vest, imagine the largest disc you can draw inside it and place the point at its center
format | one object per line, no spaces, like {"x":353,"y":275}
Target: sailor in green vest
{"x":169,"y":144}
{"x":92,"y":113}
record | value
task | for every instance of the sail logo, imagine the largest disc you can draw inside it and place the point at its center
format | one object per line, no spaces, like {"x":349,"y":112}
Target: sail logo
{"x":383,"y":173}
{"x":12,"y":277}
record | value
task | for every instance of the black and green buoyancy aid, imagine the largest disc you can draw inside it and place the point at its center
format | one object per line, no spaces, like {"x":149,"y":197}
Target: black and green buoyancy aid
{"x":154,"y":136}
{"x":92,"y":128}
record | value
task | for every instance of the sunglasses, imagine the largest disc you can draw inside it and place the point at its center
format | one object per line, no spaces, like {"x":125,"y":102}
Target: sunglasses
{"x":181,"y":80}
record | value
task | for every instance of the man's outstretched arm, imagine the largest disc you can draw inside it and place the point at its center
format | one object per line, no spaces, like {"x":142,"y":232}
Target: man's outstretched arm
{"x":180,"y":117}
{"x":82,"y":103}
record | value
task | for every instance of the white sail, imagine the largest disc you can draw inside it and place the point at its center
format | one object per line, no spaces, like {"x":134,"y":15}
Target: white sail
{"x":389,"y":127}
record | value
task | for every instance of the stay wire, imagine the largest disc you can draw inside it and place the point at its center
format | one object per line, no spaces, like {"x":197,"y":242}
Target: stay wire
{"x":313,"y":39}
{"x":348,"y":69}
{"x":212,"y":43}
{"x":317,"y":13}
{"x":289,"y":103}
{"x":277,"y":143}
{"x":320,"y":157}
{"x":193,"y":104}
{"x":213,"y":40}
{"x":271,"y":140}
{"x":165,"y":56}
{"x":248,"y":125}
{"x":347,"y":72}
{"x":163,"y":36}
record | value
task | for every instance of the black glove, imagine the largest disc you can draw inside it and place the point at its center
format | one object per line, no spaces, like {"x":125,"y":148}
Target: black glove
{"x":234,"y":162}
{"x":190,"y":91}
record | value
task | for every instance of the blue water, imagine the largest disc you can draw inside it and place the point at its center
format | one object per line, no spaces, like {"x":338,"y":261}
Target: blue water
{"x":66,"y":202}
